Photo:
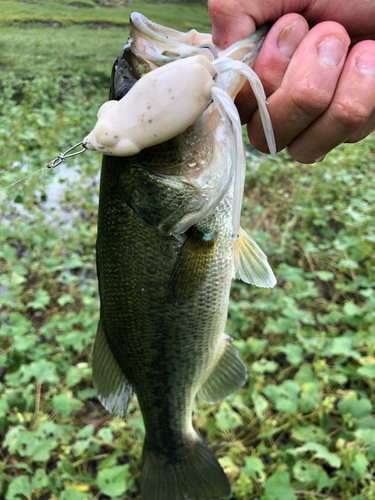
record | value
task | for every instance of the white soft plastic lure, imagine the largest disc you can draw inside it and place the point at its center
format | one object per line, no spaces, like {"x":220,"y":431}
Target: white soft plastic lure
{"x":163,"y":104}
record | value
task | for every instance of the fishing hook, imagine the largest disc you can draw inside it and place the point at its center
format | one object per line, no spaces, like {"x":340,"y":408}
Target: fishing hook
{"x":211,"y":48}
{"x":63,"y":156}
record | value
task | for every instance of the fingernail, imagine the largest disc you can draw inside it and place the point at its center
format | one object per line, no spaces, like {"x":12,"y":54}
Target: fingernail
{"x":291,"y":37}
{"x":331,"y":51}
{"x":320,"y":159}
{"x":366,"y":64}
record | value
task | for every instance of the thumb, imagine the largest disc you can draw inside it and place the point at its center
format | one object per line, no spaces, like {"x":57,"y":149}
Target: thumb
{"x":229,"y":22}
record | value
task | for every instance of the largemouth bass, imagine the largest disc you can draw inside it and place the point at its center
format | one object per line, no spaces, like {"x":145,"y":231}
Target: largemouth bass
{"x":165,"y":258}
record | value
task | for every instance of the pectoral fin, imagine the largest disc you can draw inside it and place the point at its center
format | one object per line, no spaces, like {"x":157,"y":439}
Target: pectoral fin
{"x":114,"y":388}
{"x":228,"y":375}
{"x":192,"y":264}
{"x":251,"y":263}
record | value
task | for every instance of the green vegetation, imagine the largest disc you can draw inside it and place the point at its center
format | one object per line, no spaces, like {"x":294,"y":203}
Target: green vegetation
{"x":302,"y":427}
{"x":55,"y":14}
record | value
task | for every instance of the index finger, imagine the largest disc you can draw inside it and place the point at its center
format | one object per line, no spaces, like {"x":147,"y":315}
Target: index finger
{"x":230,"y":22}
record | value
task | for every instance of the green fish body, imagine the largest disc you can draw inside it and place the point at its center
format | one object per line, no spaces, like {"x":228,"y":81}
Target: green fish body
{"x":164,"y":293}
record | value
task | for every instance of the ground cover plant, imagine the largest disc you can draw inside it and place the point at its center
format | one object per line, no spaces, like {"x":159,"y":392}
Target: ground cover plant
{"x":302,"y":427}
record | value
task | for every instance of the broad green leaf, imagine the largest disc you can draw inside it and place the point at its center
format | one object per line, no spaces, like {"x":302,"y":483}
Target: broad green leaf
{"x":264,"y":366}
{"x":19,"y":488}
{"x":71,"y":493}
{"x":254,"y":468}
{"x":309,"y":433}
{"x":39,"y":480}
{"x":284,"y":396}
{"x":105,"y":434}
{"x":320,"y":451}
{"x":366,"y":436}
{"x":352,"y":309}
{"x":112,"y":482}
{"x":360,"y":464}
{"x":367,"y":371}
{"x":306,"y":472}
{"x":278,"y":487}
{"x":293,"y":353}
{"x":40,"y":301}
{"x":226,"y":418}
{"x":42,"y":370}
{"x":324,"y":275}
{"x":359,"y":408}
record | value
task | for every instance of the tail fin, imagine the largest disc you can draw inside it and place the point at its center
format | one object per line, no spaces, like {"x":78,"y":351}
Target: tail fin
{"x":192,"y":473}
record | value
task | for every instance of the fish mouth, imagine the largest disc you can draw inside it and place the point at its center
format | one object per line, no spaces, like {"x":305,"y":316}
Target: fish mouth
{"x":151,"y":45}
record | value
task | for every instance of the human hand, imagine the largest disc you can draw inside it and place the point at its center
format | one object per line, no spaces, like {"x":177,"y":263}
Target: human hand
{"x":320,"y":94}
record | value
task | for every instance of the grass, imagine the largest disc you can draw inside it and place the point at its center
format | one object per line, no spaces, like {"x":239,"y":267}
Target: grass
{"x":303,"y":425}
{"x":183,"y":17}
{"x":57,"y":38}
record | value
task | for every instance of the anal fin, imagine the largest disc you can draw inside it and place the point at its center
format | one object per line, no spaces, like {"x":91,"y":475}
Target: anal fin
{"x":251,"y":263}
{"x":228,"y":375}
{"x":114,"y":388}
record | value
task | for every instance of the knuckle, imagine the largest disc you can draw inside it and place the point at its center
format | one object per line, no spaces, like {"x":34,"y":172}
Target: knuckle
{"x":349,"y":114}
{"x":311,"y":102}
{"x":216,"y":7}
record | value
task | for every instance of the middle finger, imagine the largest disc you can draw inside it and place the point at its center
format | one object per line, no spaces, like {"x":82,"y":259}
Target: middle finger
{"x":307,"y":87}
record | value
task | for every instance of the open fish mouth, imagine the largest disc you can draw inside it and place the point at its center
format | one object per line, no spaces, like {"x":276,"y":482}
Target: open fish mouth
{"x":151,"y":45}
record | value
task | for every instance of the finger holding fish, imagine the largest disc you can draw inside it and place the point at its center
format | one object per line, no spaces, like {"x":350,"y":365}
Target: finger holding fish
{"x":351,"y":109}
{"x":308,"y":86}
{"x":283,"y":78}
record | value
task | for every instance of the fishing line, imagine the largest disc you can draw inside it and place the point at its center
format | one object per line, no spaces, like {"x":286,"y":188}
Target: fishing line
{"x":23,"y":178}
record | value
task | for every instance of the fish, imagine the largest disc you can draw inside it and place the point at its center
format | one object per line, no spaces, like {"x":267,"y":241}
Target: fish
{"x":166,"y":258}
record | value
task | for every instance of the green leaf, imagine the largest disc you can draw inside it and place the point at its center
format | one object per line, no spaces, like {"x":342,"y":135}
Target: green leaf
{"x":110,"y":461}
{"x":309,"y":433}
{"x":320,"y":451}
{"x":306,"y":472}
{"x":39,"y":480}
{"x":367,"y":371}
{"x":284,"y":396}
{"x":293,"y":353}
{"x":42,"y":370}
{"x":19,"y":488}
{"x":366,"y":436}
{"x":254,"y":468}
{"x":40,"y":301}
{"x":352,"y":309}
{"x":264,"y":366}
{"x":72,"y":494}
{"x":4,"y":407}
{"x":112,"y":482}
{"x":105,"y":434}
{"x":278,"y":487}
{"x":325,"y":275}
{"x":226,"y":418}
{"x":41,"y":452}
{"x":260,"y":404}
{"x":359,"y":408}
{"x":360,"y":464}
